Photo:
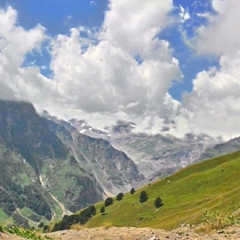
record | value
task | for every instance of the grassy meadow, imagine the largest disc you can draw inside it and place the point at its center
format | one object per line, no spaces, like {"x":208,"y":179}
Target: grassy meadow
{"x":212,"y":185}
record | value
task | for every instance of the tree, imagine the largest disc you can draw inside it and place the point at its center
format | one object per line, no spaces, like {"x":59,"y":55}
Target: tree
{"x":92,"y":210}
{"x":143,"y":196}
{"x":102,"y":210}
{"x":41,"y":224}
{"x":108,"y":201}
{"x":45,"y":228}
{"x":158,"y":202}
{"x":132,"y":191}
{"x":119,"y":197}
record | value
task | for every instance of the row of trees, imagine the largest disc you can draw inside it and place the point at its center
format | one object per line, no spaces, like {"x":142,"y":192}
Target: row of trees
{"x":143,"y":197}
{"x":87,"y":213}
{"x":80,"y":218}
{"x":109,"y":201}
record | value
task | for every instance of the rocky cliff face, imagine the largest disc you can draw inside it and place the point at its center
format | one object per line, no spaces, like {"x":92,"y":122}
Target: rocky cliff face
{"x":49,"y":169}
{"x":155,"y":155}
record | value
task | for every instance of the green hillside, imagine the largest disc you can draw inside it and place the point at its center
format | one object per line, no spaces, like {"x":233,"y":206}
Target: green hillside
{"x":212,"y":185}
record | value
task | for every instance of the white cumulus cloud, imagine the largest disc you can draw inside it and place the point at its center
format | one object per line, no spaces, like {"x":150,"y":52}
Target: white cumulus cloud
{"x":221,"y":34}
{"x":17,"y":82}
{"x":214,"y":103}
{"x":126,"y":70}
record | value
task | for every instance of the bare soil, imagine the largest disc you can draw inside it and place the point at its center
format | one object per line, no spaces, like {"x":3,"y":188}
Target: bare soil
{"x":129,"y":233}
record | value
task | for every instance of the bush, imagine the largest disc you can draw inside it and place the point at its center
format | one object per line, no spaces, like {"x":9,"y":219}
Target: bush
{"x":108,"y":201}
{"x":143,"y":196}
{"x":119,"y":197}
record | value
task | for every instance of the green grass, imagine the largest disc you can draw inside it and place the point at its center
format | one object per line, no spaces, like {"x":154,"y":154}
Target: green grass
{"x":212,"y":185}
{"x":4,"y":218}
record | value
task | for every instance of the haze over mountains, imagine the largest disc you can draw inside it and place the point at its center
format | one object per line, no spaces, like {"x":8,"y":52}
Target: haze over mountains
{"x":51,"y":167}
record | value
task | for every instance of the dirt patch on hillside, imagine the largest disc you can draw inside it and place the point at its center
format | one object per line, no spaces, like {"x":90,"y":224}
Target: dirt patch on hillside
{"x":129,"y":233}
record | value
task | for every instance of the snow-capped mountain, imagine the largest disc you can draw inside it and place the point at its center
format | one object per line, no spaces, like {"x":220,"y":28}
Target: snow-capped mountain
{"x":84,"y":128}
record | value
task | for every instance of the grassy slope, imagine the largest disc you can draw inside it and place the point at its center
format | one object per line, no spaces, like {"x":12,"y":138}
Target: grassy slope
{"x":210,"y":185}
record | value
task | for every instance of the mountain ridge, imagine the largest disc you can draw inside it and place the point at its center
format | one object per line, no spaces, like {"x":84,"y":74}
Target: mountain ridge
{"x":40,"y":172}
{"x":151,"y":153}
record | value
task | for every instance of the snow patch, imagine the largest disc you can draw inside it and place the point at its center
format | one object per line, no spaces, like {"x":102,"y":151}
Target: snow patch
{"x":83,"y":130}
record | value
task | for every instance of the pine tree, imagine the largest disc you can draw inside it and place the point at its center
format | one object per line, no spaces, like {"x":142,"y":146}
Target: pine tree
{"x":108,"y":201}
{"x":132,"y":191}
{"x":102,"y":210}
{"x":158,"y":202}
{"x":119,"y":197}
{"x":143,"y":196}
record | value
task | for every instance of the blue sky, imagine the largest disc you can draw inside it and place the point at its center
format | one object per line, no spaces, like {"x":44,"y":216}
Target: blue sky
{"x":58,"y":16}
{"x":157,"y":63}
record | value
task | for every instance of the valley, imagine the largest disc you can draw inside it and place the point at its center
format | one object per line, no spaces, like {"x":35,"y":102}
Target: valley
{"x":119,"y":120}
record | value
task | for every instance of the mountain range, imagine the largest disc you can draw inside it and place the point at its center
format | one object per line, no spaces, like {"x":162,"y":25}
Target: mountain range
{"x":52,"y":167}
{"x":155,"y":155}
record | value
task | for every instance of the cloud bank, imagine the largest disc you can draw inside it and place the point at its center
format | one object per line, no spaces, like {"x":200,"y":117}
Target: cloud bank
{"x":124,"y":70}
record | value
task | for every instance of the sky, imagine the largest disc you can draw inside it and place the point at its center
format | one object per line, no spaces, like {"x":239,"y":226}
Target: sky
{"x":171,"y":67}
